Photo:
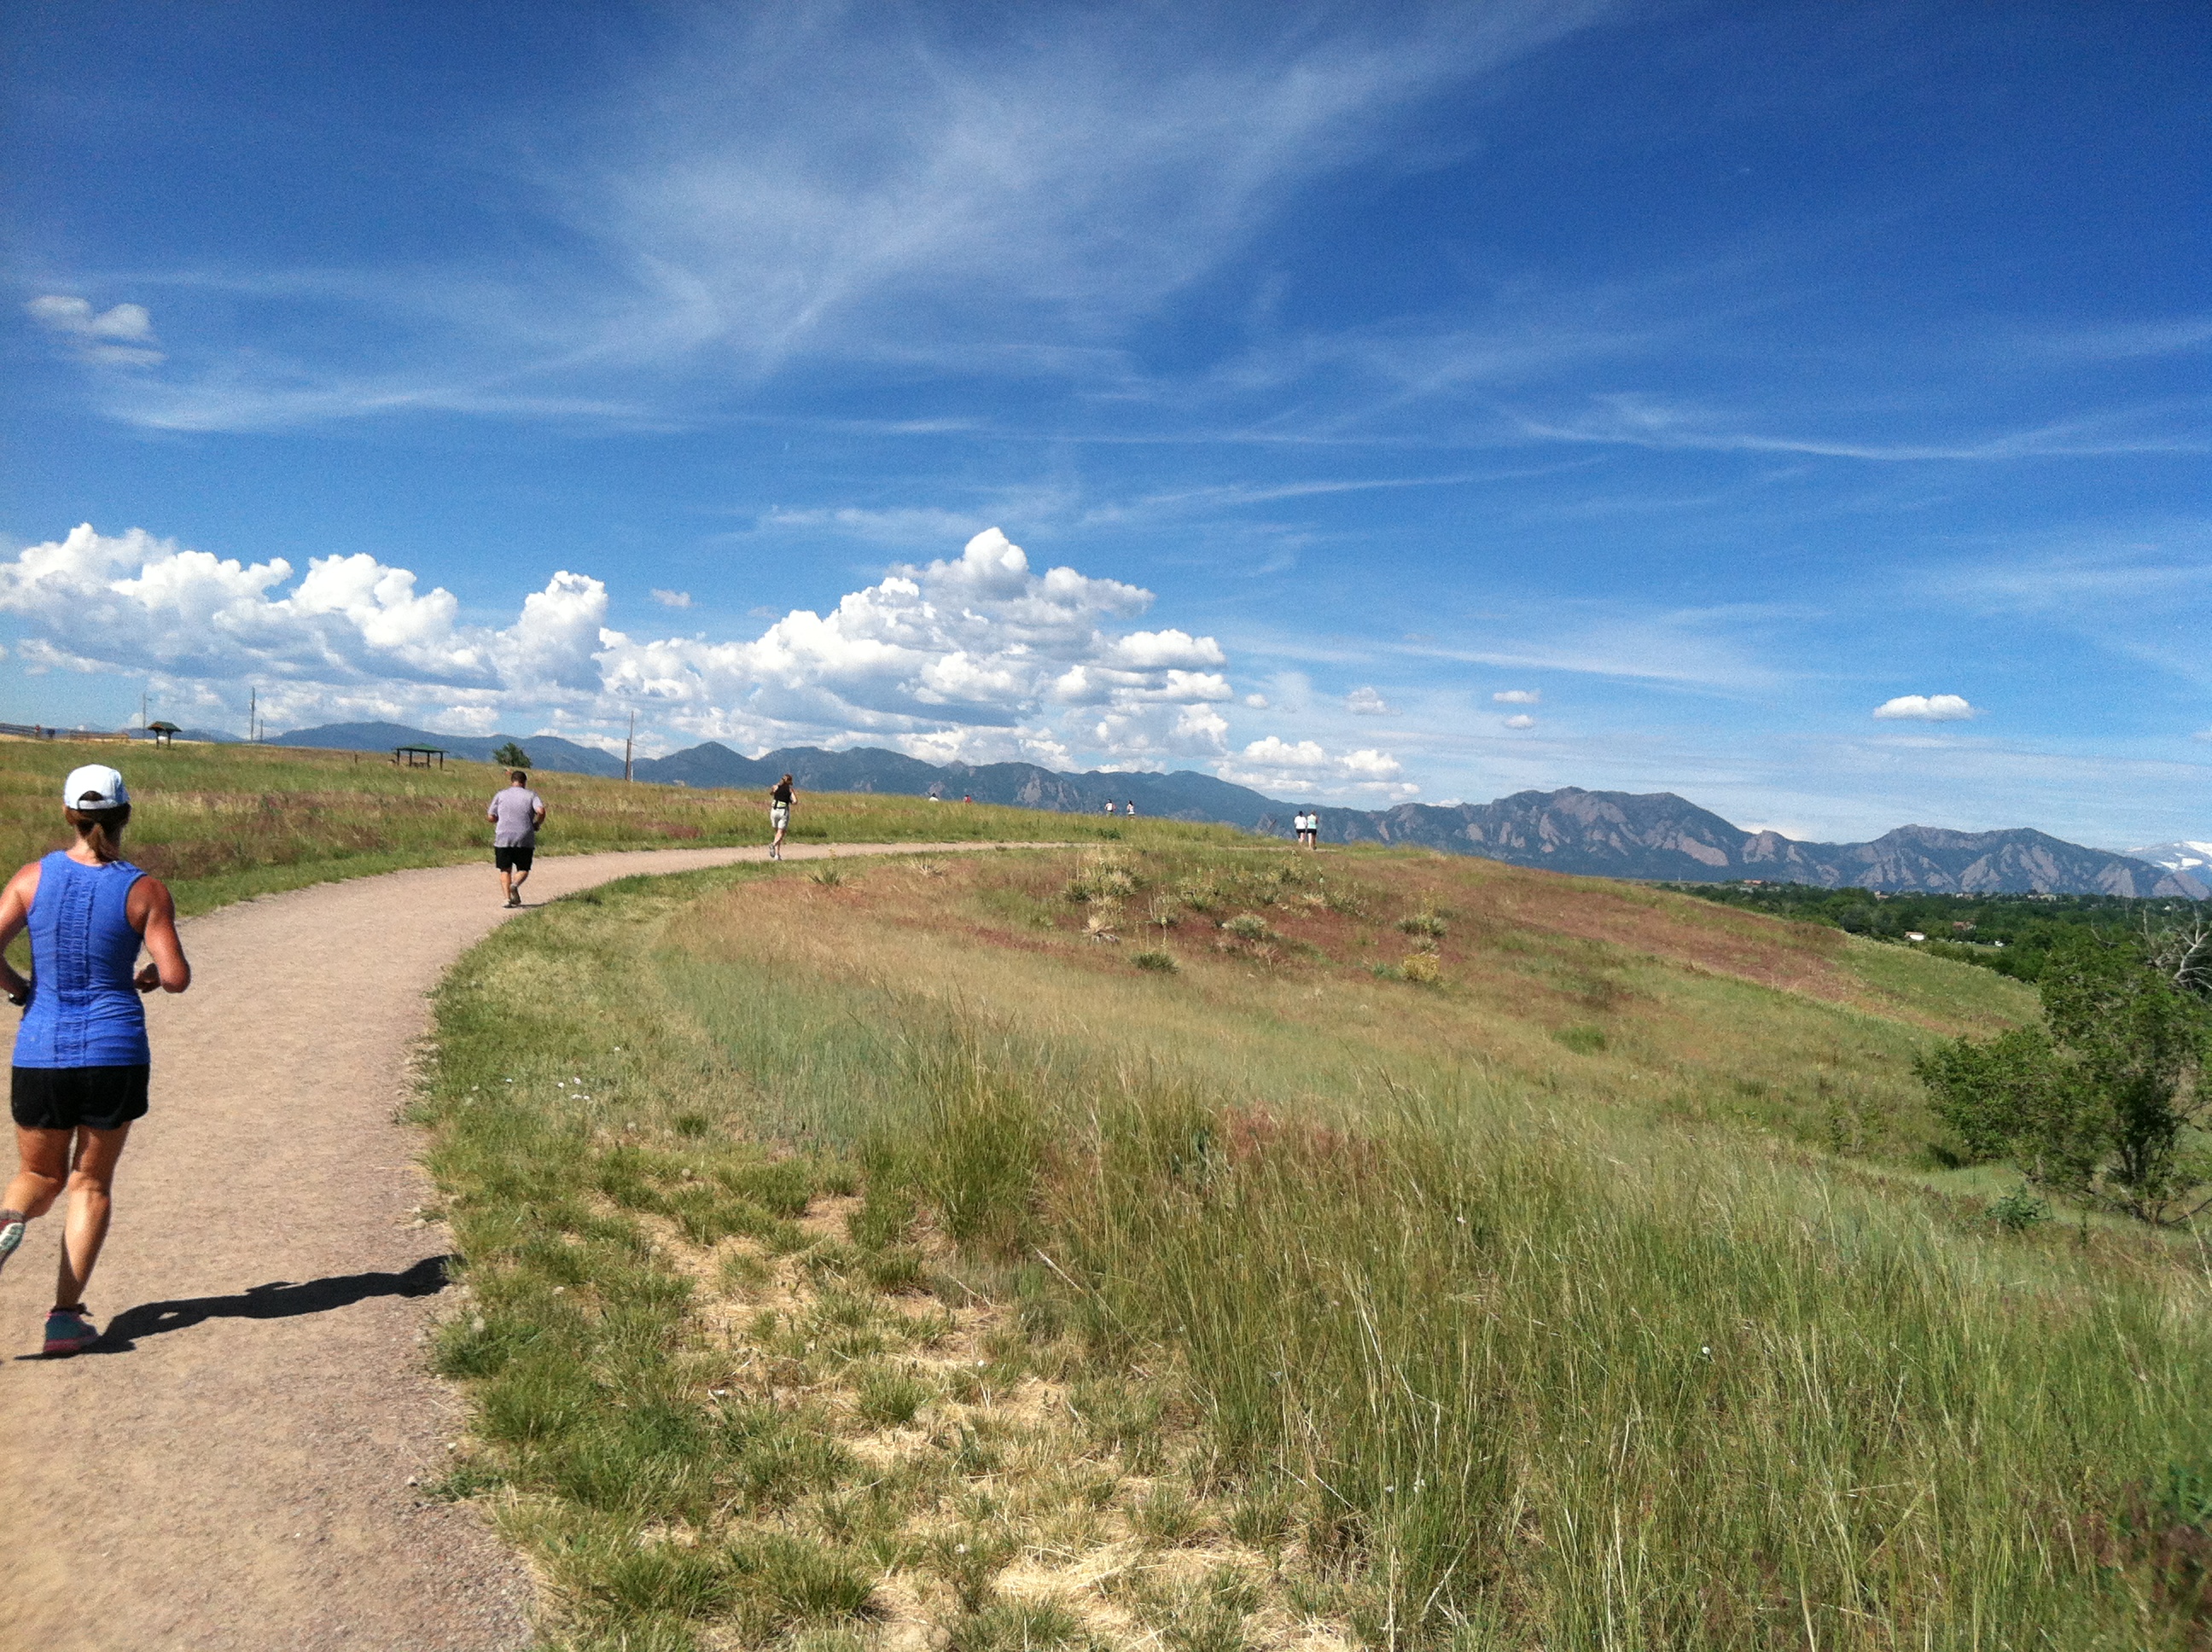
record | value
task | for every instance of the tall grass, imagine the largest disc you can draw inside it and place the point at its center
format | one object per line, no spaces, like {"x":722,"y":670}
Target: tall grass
{"x":1455,"y":1365}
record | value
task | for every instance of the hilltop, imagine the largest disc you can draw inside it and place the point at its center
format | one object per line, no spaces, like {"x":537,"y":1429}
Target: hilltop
{"x":1240,"y":1249}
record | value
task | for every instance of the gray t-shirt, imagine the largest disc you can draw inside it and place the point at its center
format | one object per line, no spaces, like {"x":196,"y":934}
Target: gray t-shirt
{"x":513,"y":814}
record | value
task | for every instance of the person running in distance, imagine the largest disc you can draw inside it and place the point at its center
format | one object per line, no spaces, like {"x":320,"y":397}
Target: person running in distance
{"x":81,"y":1059}
{"x":779,"y":815}
{"x":1130,"y":808}
{"x":515,"y":815}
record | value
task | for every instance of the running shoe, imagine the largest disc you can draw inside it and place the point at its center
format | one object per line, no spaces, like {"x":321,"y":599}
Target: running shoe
{"x":70,"y":1331}
{"x":11,"y":1234}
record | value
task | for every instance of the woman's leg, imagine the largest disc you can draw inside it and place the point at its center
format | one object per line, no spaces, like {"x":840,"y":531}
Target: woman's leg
{"x":45,"y":1158}
{"x":91,"y":1185}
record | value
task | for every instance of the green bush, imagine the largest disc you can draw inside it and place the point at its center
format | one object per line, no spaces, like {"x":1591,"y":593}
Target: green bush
{"x":2106,"y":1101}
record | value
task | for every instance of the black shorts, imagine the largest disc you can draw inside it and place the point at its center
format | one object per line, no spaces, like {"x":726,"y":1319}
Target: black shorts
{"x":66,"y":1098}
{"x":506,"y":860}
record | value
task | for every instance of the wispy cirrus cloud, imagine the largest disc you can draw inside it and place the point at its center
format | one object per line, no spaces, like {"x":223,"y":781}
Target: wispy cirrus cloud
{"x":1641,"y":421}
{"x":1006,"y":201}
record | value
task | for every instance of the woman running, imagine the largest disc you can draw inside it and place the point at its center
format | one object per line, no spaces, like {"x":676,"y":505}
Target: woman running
{"x":779,"y":815}
{"x":81,"y":1053}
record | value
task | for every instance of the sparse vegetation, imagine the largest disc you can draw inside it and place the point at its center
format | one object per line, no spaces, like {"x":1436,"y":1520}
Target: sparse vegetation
{"x":1284,"y":1307}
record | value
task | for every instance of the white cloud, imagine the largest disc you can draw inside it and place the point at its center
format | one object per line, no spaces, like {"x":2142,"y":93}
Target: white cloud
{"x":1518,"y":697}
{"x":1926,"y":708}
{"x":977,"y":656}
{"x":1368,"y":702}
{"x":1256,"y":701}
{"x":671,"y":598}
{"x":121,"y":337}
{"x":1520,"y":720}
{"x":1278,"y":766}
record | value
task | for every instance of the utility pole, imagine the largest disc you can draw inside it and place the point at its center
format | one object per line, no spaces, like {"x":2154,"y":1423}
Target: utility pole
{"x":253,"y":714}
{"x":629,"y":746}
{"x":142,"y":710}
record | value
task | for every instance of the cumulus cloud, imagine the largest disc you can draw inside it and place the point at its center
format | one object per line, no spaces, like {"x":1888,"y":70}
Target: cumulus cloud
{"x":121,"y":337}
{"x":1276,"y":765}
{"x":1926,"y":708}
{"x":1368,"y":702}
{"x":1518,"y":697}
{"x":977,"y":657}
{"x":1256,"y":701}
{"x":1520,"y":720}
{"x":671,"y":598}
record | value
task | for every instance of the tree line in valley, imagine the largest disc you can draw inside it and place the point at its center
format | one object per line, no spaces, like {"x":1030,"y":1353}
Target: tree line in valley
{"x":2012,"y":934}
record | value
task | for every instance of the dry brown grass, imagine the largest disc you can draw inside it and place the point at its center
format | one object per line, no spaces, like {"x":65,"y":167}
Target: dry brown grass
{"x":1604,"y":994}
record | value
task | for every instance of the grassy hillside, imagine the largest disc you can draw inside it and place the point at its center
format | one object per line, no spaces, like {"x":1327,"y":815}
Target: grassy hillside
{"x":1233,"y":1248}
{"x":221,"y":822}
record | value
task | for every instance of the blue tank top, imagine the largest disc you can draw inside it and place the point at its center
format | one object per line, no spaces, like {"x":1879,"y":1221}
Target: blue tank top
{"x":83,"y":1011}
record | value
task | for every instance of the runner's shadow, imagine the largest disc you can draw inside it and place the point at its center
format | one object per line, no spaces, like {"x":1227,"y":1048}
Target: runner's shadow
{"x":281,"y":1300}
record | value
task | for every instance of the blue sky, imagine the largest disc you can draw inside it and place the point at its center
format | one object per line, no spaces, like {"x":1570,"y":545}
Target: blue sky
{"x":1803,"y":407}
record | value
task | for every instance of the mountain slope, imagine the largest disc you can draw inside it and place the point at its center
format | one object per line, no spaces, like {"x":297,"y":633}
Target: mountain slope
{"x":2188,"y":855}
{"x":1600,"y":833}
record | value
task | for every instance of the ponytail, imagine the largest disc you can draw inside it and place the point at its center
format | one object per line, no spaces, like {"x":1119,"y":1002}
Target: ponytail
{"x":101,"y":830}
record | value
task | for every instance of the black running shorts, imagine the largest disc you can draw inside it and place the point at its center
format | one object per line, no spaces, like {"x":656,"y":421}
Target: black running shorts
{"x":507,"y":860}
{"x":69,"y":1098}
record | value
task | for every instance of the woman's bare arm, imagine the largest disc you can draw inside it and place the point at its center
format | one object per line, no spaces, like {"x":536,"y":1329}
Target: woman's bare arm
{"x":14,"y":916}
{"x":153,"y":913}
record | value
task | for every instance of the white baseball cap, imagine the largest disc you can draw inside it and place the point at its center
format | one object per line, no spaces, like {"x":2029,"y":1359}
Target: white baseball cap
{"x":96,"y":785}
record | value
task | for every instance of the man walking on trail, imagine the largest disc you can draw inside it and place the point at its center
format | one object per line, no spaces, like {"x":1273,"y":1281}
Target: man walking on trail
{"x":779,"y":815}
{"x":515,"y":815}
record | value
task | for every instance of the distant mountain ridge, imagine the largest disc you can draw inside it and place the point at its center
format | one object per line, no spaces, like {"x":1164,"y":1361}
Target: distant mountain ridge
{"x":2188,"y":855}
{"x":1600,"y":833}
{"x":546,"y":751}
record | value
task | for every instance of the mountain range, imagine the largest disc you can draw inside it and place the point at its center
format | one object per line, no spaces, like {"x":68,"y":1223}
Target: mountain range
{"x":1602,"y":834}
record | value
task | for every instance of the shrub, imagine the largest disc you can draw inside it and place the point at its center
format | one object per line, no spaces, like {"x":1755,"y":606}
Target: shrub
{"x":1245,"y":927}
{"x":1581,"y":1039}
{"x":2018,"y":1211}
{"x":2107,"y":1099}
{"x":1423,"y":968}
{"x":1422,"y":923}
{"x":1156,"y":958}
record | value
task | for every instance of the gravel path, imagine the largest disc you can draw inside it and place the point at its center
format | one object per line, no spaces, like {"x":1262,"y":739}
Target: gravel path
{"x":236,"y":1466}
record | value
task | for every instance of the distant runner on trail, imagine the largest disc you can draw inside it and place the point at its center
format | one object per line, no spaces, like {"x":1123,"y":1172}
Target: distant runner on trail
{"x":81,"y":1059}
{"x":779,"y":815}
{"x":515,"y":815}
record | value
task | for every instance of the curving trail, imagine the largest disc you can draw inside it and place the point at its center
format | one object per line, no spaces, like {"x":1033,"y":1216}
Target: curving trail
{"x":236,"y":1467}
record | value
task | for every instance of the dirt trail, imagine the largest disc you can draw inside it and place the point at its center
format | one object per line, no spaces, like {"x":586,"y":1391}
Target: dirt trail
{"x":237,"y":1466}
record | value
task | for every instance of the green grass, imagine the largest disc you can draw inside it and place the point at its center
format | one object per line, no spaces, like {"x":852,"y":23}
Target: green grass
{"x":1128,"y":1306}
{"x":222,"y":823}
